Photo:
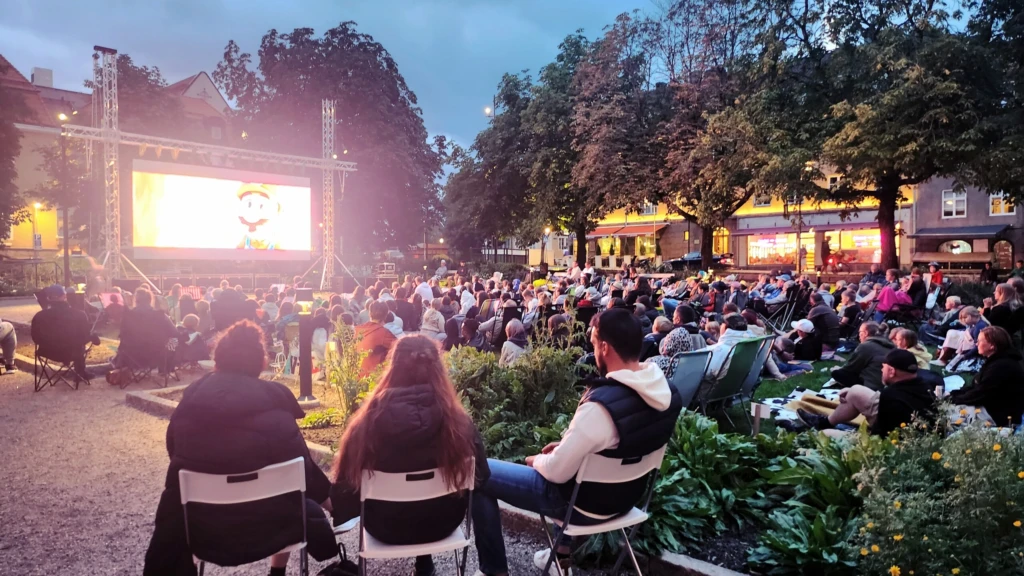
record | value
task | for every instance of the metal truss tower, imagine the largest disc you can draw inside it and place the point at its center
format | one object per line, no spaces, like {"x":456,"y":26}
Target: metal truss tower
{"x":111,"y":162}
{"x":329,"y":119}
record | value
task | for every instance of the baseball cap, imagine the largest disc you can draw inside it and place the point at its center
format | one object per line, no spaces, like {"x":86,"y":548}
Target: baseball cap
{"x":55,"y":292}
{"x":902,"y":360}
{"x":804,"y":325}
{"x":785,"y":277}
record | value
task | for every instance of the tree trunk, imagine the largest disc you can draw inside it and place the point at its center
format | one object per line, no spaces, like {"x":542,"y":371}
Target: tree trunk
{"x":581,"y":244}
{"x":707,"y":238}
{"x":887,"y":194}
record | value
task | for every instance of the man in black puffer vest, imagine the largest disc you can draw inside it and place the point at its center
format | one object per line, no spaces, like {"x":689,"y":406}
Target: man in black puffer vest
{"x":627,"y":412}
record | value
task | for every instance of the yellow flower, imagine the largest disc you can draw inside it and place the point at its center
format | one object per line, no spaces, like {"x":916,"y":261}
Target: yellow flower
{"x":956,"y":571}
{"x":925,"y":539}
{"x":945,"y":464}
{"x":1016,"y":523}
{"x":874,"y":548}
{"x":894,"y":571}
{"x":956,"y":479}
{"x":968,"y":451}
{"x":997,"y":447}
{"x":963,"y":412}
{"x":898,"y":505}
{"x":958,"y":421}
{"x":936,"y":456}
{"x":898,"y":537}
{"x":903,"y":424}
{"x":894,"y":442}
{"x":870,"y":525}
{"x":863,"y":551}
{"x":1020,"y":474}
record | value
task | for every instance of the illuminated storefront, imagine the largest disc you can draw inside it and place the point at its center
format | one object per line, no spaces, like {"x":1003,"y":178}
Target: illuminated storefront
{"x":851,"y":246}
{"x":776,"y":249}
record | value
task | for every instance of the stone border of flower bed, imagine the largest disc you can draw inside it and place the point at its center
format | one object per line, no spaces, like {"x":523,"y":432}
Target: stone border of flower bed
{"x":153,"y":402}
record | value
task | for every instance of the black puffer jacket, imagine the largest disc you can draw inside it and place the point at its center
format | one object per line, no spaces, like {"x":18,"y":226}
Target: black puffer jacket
{"x":227,"y":424}
{"x":406,"y":425}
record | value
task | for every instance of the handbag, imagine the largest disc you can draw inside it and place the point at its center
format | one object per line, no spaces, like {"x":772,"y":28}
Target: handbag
{"x":343,"y":567}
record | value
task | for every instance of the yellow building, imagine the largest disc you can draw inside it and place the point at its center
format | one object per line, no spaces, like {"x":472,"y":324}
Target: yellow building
{"x":764,"y":233}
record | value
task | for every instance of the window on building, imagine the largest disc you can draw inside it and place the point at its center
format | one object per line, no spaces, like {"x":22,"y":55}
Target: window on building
{"x":215,"y":132}
{"x":1000,"y":205}
{"x":762,"y":200}
{"x":954,"y":204}
{"x":955,"y":247}
{"x":566,"y":243}
{"x":833,"y":181}
{"x":646,"y":246}
{"x":648,"y":209}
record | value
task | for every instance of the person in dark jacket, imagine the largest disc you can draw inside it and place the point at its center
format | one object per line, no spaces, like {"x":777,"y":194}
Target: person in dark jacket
{"x":864,"y":366}
{"x":229,"y":308}
{"x":998,"y":389}
{"x":145,"y":332}
{"x":1003,"y":312}
{"x":904,"y":395}
{"x":231,"y":422}
{"x":412,"y":422}
{"x":60,"y":332}
{"x":806,"y":340}
{"x":627,"y":412}
{"x":825,"y":320}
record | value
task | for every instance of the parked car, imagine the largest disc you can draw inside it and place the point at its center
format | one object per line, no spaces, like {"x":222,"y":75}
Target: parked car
{"x":692,"y":260}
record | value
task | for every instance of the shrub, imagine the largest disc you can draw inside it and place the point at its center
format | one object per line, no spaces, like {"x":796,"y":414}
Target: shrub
{"x":343,"y":372}
{"x":319,"y":419}
{"x":971,"y":293}
{"x":798,"y":543}
{"x":938,"y":503}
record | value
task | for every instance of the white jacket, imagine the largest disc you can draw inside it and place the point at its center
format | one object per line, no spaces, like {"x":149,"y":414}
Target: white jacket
{"x":592,"y":429}
{"x":721,"y":350}
{"x":467,"y":300}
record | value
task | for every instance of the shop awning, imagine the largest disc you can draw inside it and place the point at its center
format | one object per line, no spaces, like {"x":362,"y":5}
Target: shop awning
{"x":602,"y":231}
{"x":640,"y":230}
{"x":959,"y":232}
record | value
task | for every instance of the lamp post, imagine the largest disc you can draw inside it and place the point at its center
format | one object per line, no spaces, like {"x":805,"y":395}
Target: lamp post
{"x":547,"y":231}
{"x":35,"y":216}
{"x":65,"y":193}
{"x":304,"y":301}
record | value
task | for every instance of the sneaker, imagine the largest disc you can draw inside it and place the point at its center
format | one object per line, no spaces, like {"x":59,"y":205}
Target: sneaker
{"x":816,"y":421}
{"x":10,"y":369}
{"x":540,"y":560}
{"x":938,"y":362}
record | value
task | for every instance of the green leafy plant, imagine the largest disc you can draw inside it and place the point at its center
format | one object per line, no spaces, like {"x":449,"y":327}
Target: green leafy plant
{"x":800,"y":543}
{"x":320,"y":419}
{"x":343,"y":371}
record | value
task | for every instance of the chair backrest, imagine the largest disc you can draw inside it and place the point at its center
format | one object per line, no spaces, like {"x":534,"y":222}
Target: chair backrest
{"x":273,"y":480}
{"x":689,"y":371}
{"x":604,"y":470}
{"x":411,"y":486}
{"x":741,"y":358}
{"x":754,"y":375}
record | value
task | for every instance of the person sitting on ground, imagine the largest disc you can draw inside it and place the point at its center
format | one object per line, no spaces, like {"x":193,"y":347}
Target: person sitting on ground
{"x":825,"y":291}
{"x":412,"y":421}
{"x":807,"y":341}
{"x":641,"y":314}
{"x":625,"y":392}
{"x":712,"y":330}
{"x":452,"y":334}
{"x":231,"y":422}
{"x":374,"y":339}
{"x":270,"y":307}
{"x":864,"y":366}
{"x":145,"y":332}
{"x":405,"y":310}
{"x":515,"y":343}
{"x":205,"y":320}
{"x":960,"y":341}
{"x":906,"y":339}
{"x":394,"y":322}
{"x":1002,"y":311}
{"x":903,"y":396}
{"x":934,"y":332}
{"x":60,"y":332}
{"x":472,"y":337}
{"x":826,"y":324}
{"x":849,"y":314}
{"x":113,"y":312}
{"x":998,"y":388}
{"x":433,"y":321}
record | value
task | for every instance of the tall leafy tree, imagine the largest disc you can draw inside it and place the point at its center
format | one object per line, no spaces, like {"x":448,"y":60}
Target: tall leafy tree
{"x":70,"y":186}
{"x":395,"y":192}
{"x":12,"y":109}
{"x":144,"y":104}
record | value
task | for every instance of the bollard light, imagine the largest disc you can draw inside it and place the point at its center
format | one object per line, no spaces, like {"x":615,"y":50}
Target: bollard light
{"x":304,"y":302}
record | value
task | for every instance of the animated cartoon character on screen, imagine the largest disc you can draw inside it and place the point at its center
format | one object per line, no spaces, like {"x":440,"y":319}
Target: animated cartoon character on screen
{"x":257,"y":210}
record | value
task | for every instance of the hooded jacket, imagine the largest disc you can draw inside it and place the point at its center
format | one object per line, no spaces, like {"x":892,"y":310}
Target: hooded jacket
{"x":405,"y":438}
{"x":230,"y":423}
{"x":866,"y":360}
{"x":720,"y":351}
{"x":999,"y":387}
{"x":594,"y":429}
{"x":922,"y":355}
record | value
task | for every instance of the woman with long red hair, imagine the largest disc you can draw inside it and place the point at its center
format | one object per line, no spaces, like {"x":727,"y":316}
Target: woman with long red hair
{"x":412,"y":421}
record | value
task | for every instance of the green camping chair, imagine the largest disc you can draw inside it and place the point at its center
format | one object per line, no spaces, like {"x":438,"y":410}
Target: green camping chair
{"x":754,"y":376}
{"x":728,"y":384}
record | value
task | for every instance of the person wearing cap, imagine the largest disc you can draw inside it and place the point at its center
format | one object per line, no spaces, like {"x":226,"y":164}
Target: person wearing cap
{"x":60,"y":332}
{"x":807,"y":341}
{"x":903,"y":395}
{"x":934,"y":277}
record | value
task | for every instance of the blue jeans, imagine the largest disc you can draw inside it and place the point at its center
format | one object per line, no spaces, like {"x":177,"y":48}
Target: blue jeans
{"x":670,"y":305}
{"x":524,"y":488}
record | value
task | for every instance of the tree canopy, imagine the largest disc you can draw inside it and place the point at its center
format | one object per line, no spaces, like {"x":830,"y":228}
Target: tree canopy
{"x":395,"y":192}
{"x":12,"y":109}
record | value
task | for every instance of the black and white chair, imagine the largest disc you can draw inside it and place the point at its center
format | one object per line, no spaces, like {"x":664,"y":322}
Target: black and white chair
{"x":603,"y":470}
{"x":274,"y":480}
{"x":414,"y":487}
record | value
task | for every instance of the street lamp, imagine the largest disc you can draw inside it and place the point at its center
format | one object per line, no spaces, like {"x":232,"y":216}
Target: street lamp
{"x":304,"y":302}
{"x":440,"y":241}
{"x":547,"y":230}
{"x":35,"y":215}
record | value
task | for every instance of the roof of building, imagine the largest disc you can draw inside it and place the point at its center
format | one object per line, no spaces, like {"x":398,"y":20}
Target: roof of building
{"x":36,"y":111}
{"x":181,"y":86}
{"x":207,"y":108}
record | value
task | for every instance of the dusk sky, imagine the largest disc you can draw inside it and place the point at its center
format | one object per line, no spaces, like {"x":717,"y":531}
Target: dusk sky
{"x":451,"y":52}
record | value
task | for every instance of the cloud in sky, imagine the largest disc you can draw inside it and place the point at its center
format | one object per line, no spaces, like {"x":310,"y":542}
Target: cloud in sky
{"x":451,"y":52}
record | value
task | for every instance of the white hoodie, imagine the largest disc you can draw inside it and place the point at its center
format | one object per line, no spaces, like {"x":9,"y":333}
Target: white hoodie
{"x":720,"y":351}
{"x":592,"y":429}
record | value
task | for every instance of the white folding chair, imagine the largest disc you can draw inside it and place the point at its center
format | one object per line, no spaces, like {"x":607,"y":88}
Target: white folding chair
{"x":273,"y":480}
{"x":414,"y":487}
{"x":603,"y":470}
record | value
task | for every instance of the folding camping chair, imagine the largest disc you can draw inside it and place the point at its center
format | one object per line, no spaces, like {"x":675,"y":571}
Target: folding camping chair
{"x":688,"y":373}
{"x":753,"y":378}
{"x":53,"y":371}
{"x":414,"y":487}
{"x":223,"y":489}
{"x":727,"y":384}
{"x":139,"y":370}
{"x":604,"y":470}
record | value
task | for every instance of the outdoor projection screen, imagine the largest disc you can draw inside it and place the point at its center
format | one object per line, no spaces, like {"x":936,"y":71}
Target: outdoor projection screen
{"x":208,"y":213}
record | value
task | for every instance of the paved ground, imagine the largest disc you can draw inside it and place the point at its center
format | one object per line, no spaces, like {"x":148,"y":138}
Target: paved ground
{"x":18,"y":309}
{"x":80,"y":477}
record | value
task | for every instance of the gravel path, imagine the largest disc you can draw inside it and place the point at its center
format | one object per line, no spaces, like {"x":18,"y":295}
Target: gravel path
{"x":80,"y":477}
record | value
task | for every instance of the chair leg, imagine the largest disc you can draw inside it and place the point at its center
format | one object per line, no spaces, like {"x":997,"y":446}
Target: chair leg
{"x":632,"y":556}
{"x":202,"y":567}
{"x":362,"y":566}
{"x":304,"y":562}
{"x":625,"y":549}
